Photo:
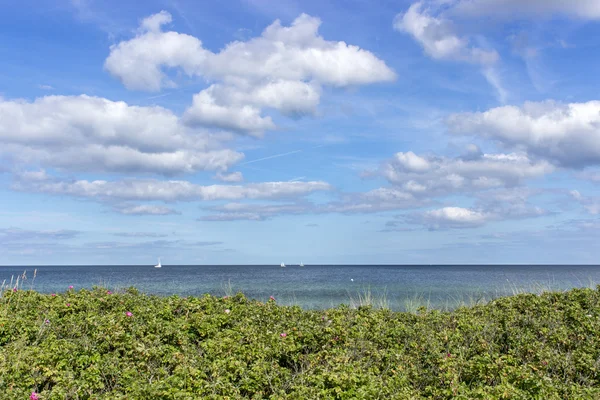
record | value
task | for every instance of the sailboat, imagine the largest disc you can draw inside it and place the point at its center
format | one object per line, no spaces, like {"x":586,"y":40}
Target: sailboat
{"x":159,"y":265}
{"x":301,"y":264}
{"x":282,"y":265}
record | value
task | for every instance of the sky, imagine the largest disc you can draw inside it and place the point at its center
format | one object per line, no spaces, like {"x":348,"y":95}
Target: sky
{"x":327,"y":132}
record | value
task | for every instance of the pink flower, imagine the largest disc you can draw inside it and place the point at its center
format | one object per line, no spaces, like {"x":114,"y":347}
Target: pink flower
{"x":448,"y":355}
{"x":68,"y":304}
{"x":34,"y":396}
{"x":283,"y":334}
{"x":47,"y":321}
{"x":108,"y":292}
{"x":14,"y":289}
{"x":129,"y":314}
{"x":70,"y":287}
{"x":271,"y":298}
{"x":53,"y":295}
{"x":227,"y":311}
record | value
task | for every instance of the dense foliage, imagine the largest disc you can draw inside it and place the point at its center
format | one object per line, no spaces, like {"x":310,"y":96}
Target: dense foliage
{"x":99,"y":345}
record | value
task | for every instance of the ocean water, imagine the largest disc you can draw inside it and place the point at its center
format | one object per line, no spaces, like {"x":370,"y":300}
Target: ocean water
{"x":400,"y":287}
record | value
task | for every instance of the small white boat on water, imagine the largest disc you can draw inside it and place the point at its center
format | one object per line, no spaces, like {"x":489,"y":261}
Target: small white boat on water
{"x":159,"y":265}
{"x":282,"y":265}
{"x":301,"y":264}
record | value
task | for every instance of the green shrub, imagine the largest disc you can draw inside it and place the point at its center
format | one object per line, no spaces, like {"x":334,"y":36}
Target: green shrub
{"x":90,"y":344}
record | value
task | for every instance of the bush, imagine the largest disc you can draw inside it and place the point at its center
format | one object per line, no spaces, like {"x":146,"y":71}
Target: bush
{"x":98,"y":345}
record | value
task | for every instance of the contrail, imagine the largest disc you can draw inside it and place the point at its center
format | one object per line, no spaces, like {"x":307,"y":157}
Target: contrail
{"x":269,"y":157}
{"x":279,"y":155}
{"x":157,"y":96}
{"x":175,"y":5}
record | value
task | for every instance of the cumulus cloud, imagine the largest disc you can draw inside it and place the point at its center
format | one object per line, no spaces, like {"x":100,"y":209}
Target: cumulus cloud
{"x":432,"y":176}
{"x":83,"y":133}
{"x":583,"y":9}
{"x":451,"y":217}
{"x":498,"y":202}
{"x":294,"y":53}
{"x":511,"y":203}
{"x":238,"y":107}
{"x":373,"y":201}
{"x":376,"y":200}
{"x":438,"y":37}
{"x":154,"y":22}
{"x":139,"y":62}
{"x":459,"y":217}
{"x":418,"y":182}
{"x":236,"y":117}
{"x":564,"y":134}
{"x":157,"y":190}
{"x":283,"y":69}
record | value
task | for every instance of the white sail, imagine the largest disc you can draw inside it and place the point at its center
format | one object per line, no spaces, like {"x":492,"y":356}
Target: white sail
{"x":158,"y":265}
{"x":282,"y":265}
{"x":301,"y":264}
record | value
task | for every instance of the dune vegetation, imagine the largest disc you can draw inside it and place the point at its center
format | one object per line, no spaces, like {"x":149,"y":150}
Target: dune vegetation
{"x":95,"y":344}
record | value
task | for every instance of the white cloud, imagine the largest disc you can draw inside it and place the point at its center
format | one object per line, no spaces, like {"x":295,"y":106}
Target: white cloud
{"x":144,"y":209}
{"x":45,"y":87}
{"x":564,"y":134}
{"x":138,"y":62}
{"x":83,"y":133}
{"x":154,"y":22}
{"x":378,"y":200}
{"x":283,"y":69}
{"x":233,"y":177}
{"x":584,"y":9}
{"x":373,"y":201}
{"x":452,"y":217}
{"x":205,"y":111}
{"x":483,"y":213}
{"x":512,"y":203}
{"x":290,"y":97}
{"x":509,"y":196}
{"x":298,"y":52}
{"x":431,"y":176}
{"x":438,"y":38}
{"x":167,"y":191}
{"x":410,"y":162}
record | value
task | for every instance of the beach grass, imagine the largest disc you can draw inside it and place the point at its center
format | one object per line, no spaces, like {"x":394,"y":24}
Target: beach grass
{"x":95,"y":344}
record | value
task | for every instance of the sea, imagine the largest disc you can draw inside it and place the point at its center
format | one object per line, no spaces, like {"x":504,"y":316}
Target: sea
{"x":399,"y":287}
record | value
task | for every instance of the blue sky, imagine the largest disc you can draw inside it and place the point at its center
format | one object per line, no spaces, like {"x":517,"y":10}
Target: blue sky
{"x":255,"y":131}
